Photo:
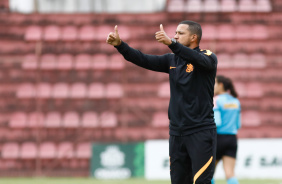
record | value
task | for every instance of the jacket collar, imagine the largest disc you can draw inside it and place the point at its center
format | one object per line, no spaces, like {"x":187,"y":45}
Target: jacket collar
{"x":197,"y":48}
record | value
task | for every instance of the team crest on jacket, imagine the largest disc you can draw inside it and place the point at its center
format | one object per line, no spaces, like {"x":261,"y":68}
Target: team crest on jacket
{"x":190,"y":68}
{"x":208,"y":52}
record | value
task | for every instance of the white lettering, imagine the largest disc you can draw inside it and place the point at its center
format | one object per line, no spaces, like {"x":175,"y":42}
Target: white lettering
{"x":121,"y":173}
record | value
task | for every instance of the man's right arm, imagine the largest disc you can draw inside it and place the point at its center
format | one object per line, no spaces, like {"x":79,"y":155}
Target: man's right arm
{"x":151,"y":62}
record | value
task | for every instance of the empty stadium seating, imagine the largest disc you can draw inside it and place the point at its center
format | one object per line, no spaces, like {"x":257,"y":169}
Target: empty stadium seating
{"x":29,"y":150}
{"x":63,"y":88}
{"x":65,"y":62}
{"x":160,"y":119}
{"x":69,"y":33}
{"x":71,"y":120}
{"x":10,"y":150}
{"x":47,"y":150}
{"x":33,"y":33}
{"x":65,"y":150}
{"x":52,"y":33}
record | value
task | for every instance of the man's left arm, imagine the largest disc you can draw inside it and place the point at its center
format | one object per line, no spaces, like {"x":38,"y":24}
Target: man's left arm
{"x":206,"y":60}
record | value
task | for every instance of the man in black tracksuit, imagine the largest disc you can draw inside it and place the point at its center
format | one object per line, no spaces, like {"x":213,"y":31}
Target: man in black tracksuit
{"x":192,"y":73}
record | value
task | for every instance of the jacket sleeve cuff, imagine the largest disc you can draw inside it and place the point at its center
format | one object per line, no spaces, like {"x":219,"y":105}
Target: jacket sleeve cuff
{"x":122,"y":47}
{"x":175,"y":48}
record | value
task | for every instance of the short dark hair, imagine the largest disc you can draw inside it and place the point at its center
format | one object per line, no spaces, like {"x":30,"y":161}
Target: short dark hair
{"x":194,"y":28}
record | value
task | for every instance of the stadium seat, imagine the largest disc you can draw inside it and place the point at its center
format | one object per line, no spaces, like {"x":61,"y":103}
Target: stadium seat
{"x":82,"y":62}
{"x":65,"y":62}
{"x":26,"y":90}
{"x":243,"y":32}
{"x":78,"y":90}
{"x":194,"y":6}
{"x":43,"y":90}
{"x":241,"y":60}
{"x":272,"y":118}
{"x":133,"y":134}
{"x":260,"y":32}
{"x":160,"y":119}
{"x":224,"y":61}
{"x":53,"y":120}
{"x":30,"y":62}
{"x":83,"y":150}
{"x":114,"y":90}
{"x":10,"y":150}
{"x":124,"y":32}
{"x":225,"y":32}
{"x":228,"y":6}
{"x":258,"y":60}
{"x":209,"y":32}
{"x":89,"y":120}
{"x":102,"y":32}
{"x":211,"y":6}
{"x":176,"y":6}
{"x":33,"y":33}
{"x":164,"y":90}
{"x":170,"y":30}
{"x":47,"y":150}
{"x":69,"y":33}
{"x":251,"y":118}
{"x":254,"y":90}
{"x":263,"y":6}
{"x":60,"y":90}
{"x":116,"y":62}
{"x":87,"y":33}
{"x":65,"y":150}
{"x":18,"y":120}
{"x":247,"y":6}
{"x":241,"y":89}
{"x":150,"y":133}
{"x":48,"y":62}
{"x":96,"y":91}
{"x":108,"y":120}
{"x":71,"y":120}
{"x":271,"y":103}
{"x":28,"y":150}
{"x":35,"y":119}
{"x":52,"y":33}
{"x":100,"y":62}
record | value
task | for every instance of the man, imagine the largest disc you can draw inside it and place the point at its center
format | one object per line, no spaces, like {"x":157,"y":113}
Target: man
{"x":192,"y":73}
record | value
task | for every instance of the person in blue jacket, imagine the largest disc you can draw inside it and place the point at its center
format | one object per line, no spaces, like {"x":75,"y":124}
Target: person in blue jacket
{"x":227,"y":114}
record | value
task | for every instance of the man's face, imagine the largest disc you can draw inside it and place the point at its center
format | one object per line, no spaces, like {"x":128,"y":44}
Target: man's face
{"x":183,"y":35}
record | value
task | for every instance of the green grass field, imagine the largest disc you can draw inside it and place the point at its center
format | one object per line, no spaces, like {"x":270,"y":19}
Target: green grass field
{"x":93,"y":181}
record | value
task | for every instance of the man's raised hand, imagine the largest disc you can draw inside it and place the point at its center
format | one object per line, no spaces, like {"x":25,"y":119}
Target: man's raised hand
{"x":113,"y":38}
{"x":162,"y":37}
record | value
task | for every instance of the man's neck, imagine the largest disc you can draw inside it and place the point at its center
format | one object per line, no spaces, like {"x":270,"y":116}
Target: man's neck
{"x":193,"y":46}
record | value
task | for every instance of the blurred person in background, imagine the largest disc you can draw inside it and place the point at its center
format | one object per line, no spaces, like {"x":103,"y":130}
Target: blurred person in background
{"x":192,"y":72}
{"x":227,"y":114}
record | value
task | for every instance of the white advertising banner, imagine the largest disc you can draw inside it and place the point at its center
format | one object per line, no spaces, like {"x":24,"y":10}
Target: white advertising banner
{"x":256,"y":158}
{"x":157,"y":159}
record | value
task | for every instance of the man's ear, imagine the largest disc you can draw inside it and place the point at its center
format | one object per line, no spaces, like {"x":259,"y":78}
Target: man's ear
{"x":194,"y":37}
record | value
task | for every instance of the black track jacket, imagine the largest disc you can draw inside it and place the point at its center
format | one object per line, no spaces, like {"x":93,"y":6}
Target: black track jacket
{"x":192,"y":75}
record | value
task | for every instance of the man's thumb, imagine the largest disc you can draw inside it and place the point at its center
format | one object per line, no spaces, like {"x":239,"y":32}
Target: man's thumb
{"x":161,"y":27}
{"x":116,"y":29}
